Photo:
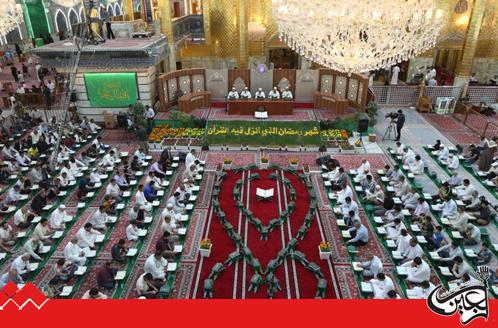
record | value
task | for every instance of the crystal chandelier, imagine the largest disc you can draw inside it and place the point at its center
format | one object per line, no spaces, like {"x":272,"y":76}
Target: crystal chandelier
{"x":11,"y":16}
{"x":361,"y":35}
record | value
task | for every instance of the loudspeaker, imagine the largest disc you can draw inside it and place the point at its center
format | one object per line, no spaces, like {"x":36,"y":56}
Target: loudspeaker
{"x":362,"y":125}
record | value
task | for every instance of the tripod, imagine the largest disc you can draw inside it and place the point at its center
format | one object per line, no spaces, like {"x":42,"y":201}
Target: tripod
{"x":391,"y":129}
{"x":360,"y":142}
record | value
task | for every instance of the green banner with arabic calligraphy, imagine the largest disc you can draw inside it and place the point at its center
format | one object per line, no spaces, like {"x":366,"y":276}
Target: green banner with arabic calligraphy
{"x":111,"y":89}
{"x":276,"y":133}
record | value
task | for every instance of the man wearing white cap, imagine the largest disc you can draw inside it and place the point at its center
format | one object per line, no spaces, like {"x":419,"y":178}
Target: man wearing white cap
{"x":170,"y":211}
{"x":233,"y":94}
{"x":58,"y":218}
{"x":190,"y":173}
{"x":245,"y":94}
{"x":287,"y":94}
{"x":453,"y":162}
{"x":274,"y":94}
{"x":260,"y":94}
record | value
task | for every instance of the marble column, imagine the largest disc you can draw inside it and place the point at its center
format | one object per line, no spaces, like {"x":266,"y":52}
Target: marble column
{"x":128,"y":9}
{"x":167,"y":30}
{"x":464,"y":66}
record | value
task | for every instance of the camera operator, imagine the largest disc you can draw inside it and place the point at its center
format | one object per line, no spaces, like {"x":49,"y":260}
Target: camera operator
{"x":400,"y":122}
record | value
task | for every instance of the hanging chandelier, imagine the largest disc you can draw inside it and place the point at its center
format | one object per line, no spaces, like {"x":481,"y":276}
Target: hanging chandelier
{"x":361,"y":35}
{"x":11,"y":16}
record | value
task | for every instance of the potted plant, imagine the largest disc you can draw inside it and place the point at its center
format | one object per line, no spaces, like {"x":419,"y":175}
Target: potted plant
{"x":294,"y":162}
{"x":265,"y":160}
{"x":227,"y":163}
{"x":324,"y":250}
{"x":205,"y":247}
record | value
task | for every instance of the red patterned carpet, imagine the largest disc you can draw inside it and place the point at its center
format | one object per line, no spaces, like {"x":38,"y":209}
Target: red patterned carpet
{"x":295,"y":280}
{"x":452,"y":129}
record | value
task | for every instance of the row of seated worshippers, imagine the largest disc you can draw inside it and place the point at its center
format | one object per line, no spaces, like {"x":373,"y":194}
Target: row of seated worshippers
{"x":485,"y":159}
{"x":461,"y":205}
{"x":85,"y":242}
{"x":29,"y":221}
{"x":140,"y":213}
{"x":173,"y":217}
{"x":393,"y":217}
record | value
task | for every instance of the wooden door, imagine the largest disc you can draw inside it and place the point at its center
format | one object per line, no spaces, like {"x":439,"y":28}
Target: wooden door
{"x":176,"y":9}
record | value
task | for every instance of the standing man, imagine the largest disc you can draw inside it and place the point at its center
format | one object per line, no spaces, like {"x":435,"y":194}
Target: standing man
{"x":13,"y":70}
{"x":143,"y":138}
{"x":107,"y":21}
{"x":400,"y":122}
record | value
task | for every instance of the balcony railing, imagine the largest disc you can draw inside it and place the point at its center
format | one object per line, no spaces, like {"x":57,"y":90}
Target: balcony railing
{"x":188,"y":27}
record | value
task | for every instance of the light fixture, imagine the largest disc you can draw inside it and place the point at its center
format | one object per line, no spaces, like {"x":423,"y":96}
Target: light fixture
{"x":357,"y":38}
{"x":11,"y":17}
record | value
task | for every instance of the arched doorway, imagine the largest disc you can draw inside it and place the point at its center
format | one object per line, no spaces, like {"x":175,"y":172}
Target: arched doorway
{"x":73,"y":17}
{"x":281,"y":55}
{"x":60,"y":21}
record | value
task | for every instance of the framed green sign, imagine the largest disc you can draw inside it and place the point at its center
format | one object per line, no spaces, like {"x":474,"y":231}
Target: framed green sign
{"x":111,"y":89}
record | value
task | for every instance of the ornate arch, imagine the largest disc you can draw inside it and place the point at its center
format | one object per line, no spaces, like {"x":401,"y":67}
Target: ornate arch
{"x":73,"y":17}
{"x":60,"y":18}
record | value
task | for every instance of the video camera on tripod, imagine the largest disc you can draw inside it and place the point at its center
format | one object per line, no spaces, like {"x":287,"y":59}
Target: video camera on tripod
{"x":392,"y":115}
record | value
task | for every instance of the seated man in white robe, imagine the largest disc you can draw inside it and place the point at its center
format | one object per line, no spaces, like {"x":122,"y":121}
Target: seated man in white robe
{"x":245,"y":94}
{"x":400,"y":148}
{"x":418,"y":270}
{"x":168,"y":211}
{"x":109,"y":160}
{"x":33,"y":247}
{"x":73,"y":253}
{"x":394,"y":229}
{"x":141,"y":155}
{"x":132,"y":232}
{"x":424,"y":290}
{"x":465,"y":191}
{"x":402,"y":187}
{"x":287,"y":94}
{"x":403,"y":241}
{"x":408,"y":156}
{"x":190,"y":158}
{"x":417,"y":167}
{"x":377,"y":197}
{"x":449,"y":209}
{"x":58,"y":218}
{"x":443,"y":153}
{"x":99,"y":219}
{"x":453,"y":162}
{"x":342,"y":194}
{"x":274,"y":94}
{"x":260,"y":94}
{"x":382,"y":285}
{"x":233,"y":94}
{"x":190,"y":173}
{"x":412,"y":251}
{"x":86,"y":237}
{"x":178,"y":206}
{"x":372,"y":266}
{"x":365,"y":166}
{"x":156,"y":265}
{"x":333,"y":175}
{"x":141,"y":200}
